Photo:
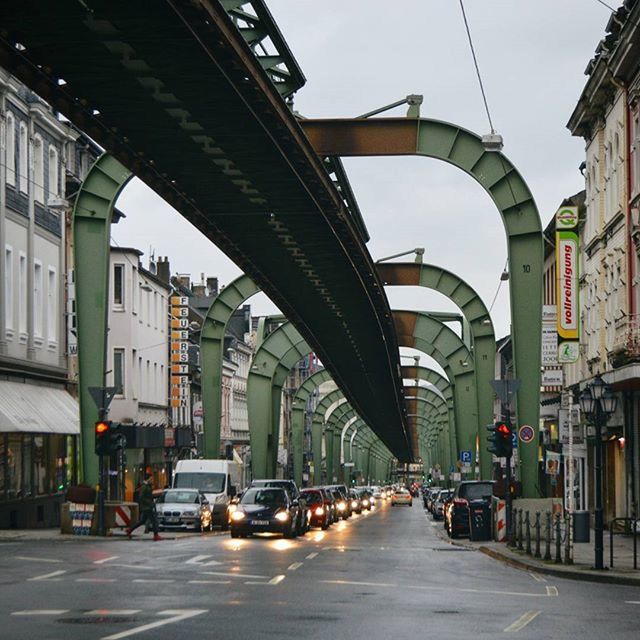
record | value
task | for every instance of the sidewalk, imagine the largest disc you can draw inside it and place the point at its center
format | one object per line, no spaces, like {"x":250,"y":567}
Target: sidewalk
{"x":25,"y":535}
{"x":583,"y":559}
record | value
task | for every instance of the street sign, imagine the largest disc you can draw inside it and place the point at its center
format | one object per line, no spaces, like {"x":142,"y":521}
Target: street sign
{"x":514,"y":439}
{"x":102,"y":396}
{"x":504,"y":388}
{"x":465,"y":457}
{"x":348,"y":464}
{"x":526,"y":433}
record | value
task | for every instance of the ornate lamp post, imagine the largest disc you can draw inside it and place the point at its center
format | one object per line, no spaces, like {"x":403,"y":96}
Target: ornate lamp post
{"x":598,"y":403}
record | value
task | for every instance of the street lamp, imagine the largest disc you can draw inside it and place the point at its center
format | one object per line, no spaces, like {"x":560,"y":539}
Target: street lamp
{"x":598,"y":403}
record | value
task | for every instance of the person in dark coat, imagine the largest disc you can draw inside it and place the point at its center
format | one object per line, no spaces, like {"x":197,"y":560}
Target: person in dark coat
{"x":147,"y":509}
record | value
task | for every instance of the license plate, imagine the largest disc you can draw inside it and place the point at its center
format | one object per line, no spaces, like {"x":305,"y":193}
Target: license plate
{"x":173,"y":520}
{"x":260,"y":523}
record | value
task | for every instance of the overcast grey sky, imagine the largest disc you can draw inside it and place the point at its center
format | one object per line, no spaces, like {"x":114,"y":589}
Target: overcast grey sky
{"x":361,"y":54}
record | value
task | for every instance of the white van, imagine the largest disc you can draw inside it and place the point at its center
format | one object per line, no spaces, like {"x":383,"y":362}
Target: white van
{"x":219,"y":480}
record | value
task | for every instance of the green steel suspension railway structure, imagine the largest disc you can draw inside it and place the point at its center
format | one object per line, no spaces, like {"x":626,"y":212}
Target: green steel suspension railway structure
{"x":191,"y":97}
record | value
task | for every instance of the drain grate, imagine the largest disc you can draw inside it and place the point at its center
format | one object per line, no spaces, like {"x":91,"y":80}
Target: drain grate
{"x":449,"y":549}
{"x":444,"y":611}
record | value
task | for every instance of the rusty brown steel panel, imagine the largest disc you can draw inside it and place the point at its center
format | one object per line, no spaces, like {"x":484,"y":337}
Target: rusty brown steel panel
{"x":405,"y":323}
{"x":409,"y":372}
{"x":358,"y":137}
{"x":401,"y":274}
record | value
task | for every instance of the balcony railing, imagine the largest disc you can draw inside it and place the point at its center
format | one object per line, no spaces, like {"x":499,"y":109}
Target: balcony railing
{"x":626,"y":344}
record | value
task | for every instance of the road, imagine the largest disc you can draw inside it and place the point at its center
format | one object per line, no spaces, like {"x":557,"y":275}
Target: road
{"x":382,"y":575}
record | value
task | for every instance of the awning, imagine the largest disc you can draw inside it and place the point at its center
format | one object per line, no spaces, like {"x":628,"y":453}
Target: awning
{"x":32,"y":408}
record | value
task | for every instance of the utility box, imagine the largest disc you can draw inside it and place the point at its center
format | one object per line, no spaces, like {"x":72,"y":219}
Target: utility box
{"x":581,"y":528}
{"x":479,"y":520}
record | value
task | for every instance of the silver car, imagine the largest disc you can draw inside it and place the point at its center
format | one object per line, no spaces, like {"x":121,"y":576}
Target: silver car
{"x":180,"y":509}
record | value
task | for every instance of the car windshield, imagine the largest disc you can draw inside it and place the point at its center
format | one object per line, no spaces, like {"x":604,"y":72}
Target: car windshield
{"x":477,"y":491}
{"x":207,"y":482}
{"x":183,"y":497}
{"x":312,"y":497}
{"x":266,"y":497}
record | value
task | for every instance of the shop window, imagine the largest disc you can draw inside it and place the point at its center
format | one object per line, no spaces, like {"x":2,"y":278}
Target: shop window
{"x":14,"y":466}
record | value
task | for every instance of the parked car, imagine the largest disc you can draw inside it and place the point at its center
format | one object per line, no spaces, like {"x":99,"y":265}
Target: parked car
{"x":428,"y":496}
{"x":401,"y":496}
{"x":439,"y":503}
{"x":366,"y":499}
{"x":302,"y":513}
{"x":466,"y":495}
{"x":319,"y":506}
{"x":356,"y":502}
{"x":262,"y":510}
{"x":180,"y":509}
{"x":343,"y":506}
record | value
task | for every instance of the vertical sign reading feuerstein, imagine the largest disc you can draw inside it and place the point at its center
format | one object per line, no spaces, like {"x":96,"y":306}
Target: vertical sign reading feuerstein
{"x":567,"y":279}
{"x":180,"y":382}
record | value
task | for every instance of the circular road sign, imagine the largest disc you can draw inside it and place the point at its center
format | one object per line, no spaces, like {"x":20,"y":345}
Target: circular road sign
{"x":526,"y":433}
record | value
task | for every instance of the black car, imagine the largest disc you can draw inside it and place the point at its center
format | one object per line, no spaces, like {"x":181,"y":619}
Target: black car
{"x":264,"y":510}
{"x":300,"y":505}
{"x":468,"y":495}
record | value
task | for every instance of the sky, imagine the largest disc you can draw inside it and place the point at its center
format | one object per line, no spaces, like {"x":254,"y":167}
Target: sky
{"x":358,"y":55}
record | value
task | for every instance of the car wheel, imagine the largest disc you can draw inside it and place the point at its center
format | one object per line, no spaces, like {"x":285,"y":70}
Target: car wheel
{"x":235,"y":534}
{"x":325,"y":524}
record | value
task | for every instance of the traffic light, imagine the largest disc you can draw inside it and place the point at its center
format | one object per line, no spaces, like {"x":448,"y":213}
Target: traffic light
{"x":103,"y":437}
{"x":500,"y":439}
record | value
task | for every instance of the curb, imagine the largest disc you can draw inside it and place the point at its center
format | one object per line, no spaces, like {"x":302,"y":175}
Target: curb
{"x":570,"y":574}
{"x":67,"y":537}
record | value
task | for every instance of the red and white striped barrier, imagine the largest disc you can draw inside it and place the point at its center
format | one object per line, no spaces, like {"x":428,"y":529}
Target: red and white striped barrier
{"x":501,"y":521}
{"x":122,"y":516}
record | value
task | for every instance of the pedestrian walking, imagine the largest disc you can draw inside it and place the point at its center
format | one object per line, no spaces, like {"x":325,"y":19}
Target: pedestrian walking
{"x":147,"y":509}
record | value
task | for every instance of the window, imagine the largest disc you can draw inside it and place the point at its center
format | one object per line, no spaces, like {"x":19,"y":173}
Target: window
{"x":155,"y":309}
{"x":22,"y":295}
{"x":135,"y":287}
{"x":11,"y":150}
{"x":8,"y":287}
{"x":23,"y":155}
{"x":118,"y":286}
{"x":52,"y":307}
{"x":38,"y":169}
{"x":38,"y":308}
{"x":54,"y":172}
{"x":118,"y":371}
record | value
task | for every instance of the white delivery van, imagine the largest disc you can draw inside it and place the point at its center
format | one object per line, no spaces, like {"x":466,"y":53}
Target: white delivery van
{"x":219,"y":480}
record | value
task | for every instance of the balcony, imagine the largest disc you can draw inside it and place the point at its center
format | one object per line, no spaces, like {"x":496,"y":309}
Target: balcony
{"x":626,"y":343}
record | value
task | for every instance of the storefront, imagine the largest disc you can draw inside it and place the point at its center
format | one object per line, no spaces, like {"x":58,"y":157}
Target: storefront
{"x":38,"y":431}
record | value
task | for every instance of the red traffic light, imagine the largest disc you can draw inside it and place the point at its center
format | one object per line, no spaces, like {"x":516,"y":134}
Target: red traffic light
{"x":101,"y":428}
{"x":504,"y":430}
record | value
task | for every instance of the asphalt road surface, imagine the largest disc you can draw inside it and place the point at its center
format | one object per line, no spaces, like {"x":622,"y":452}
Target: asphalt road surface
{"x":383,"y":575}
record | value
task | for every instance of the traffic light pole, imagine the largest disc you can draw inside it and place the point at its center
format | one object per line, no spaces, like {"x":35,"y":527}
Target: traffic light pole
{"x":508,"y":504}
{"x":102,"y":413}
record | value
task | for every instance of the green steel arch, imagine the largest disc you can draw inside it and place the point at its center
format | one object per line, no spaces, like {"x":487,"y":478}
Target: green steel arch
{"x":515,"y":203}
{"x":211,"y":356}
{"x":92,"y":214}
{"x":478,"y":319}
{"x":319,"y":418}
{"x":300,"y":399}
{"x":418,"y":330}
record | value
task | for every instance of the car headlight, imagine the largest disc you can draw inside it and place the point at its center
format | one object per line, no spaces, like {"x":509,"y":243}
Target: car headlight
{"x":231,"y":508}
{"x":283,"y":516}
{"x":237,"y":515}
{"x":365,"y":503}
{"x":188,"y":513}
{"x":341,"y":506}
{"x":319,"y":511}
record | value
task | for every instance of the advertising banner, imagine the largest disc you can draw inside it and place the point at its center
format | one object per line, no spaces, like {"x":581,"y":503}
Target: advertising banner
{"x":568,"y":308}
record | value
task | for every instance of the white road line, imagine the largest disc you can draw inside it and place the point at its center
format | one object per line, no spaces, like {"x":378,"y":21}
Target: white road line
{"x":552,"y":591}
{"x":40,"y":612}
{"x":294,"y":566}
{"x":106,"y":560}
{"x":537,"y":577}
{"x":209,"y":581}
{"x":277,"y":579}
{"x":30,"y":559}
{"x":522,"y":621}
{"x":361,"y":584}
{"x":95,"y":580}
{"x":311,"y":556}
{"x":234,"y":575}
{"x":176,"y":615}
{"x":153,"y":580}
{"x":199,"y":560}
{"x":632,"y":601}
{"x":134,"y":566}
{"x":48,"y":576}
{"x":112,"y":612}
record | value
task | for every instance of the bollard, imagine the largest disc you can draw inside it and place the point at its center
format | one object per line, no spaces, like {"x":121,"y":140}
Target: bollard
{"x":537,"y":552}
{"x":547,"y":551}
{"x":527,"y":522}
{"x":558,"y":559}
{"x":520,"y":546}
{"x":512,"y":534}
{"x":568,"y":546}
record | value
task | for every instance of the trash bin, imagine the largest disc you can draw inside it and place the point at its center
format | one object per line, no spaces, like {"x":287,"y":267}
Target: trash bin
{"x":479,"y":520}
{"x":581,"y":531}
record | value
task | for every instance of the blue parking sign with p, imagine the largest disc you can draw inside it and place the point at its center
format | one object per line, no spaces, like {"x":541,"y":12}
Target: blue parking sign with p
{"x":514,"y":439}
{"x":465,"y":456}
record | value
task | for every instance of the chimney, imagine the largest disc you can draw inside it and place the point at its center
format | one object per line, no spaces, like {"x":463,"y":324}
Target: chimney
{"x":163,"y":269}
{"x":185,"y":280}
{"x":198,"y":290}
{"x":212,"y":286}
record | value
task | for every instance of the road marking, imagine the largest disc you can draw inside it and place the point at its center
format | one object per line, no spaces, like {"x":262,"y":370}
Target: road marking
{"x":632,"y":601}
{"x":48,"y":576}
{"x":199,"y":560}
{"x":176,"y":615}
{"x":153,"y":580}
{"x":112,"y":612}
{"x":537,"y":577}
{"x":294,"y":566}
{"x":277,"y":579}
{"x":95,"y":580}
{"x":30,"y":559}
{"x":522,"y":621}
{"x":552,"y":591}
{"x":209,"y":581}
{"x":361,"y":584}
{"x":234,"y":575}
{"x":133,"y":566}
{"x":105,"y":560}
{"x":311,"y":556}
{"x":40,"y":612}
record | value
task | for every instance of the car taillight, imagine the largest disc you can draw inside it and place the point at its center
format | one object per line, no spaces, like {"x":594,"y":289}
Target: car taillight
{"x":461,"y":501}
